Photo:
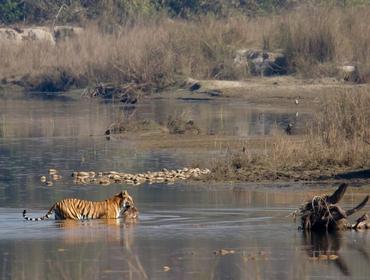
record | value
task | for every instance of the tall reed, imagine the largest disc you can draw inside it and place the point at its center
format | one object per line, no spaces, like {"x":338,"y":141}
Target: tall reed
{"x":319,"y":39}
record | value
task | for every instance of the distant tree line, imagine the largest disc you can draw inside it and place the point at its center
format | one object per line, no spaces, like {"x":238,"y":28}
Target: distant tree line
{"x":39,"y":11}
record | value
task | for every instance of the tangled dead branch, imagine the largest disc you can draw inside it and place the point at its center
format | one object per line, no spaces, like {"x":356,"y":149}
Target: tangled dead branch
{"x":322,"y":213}
{"x":128,"y":94}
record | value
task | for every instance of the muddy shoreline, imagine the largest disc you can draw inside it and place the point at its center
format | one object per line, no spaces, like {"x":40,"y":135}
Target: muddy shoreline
{"x":257,"y":173}
{"x":279,"y":91}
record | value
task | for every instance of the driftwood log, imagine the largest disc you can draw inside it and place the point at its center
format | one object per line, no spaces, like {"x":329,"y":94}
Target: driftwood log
{"x":322,"y":213}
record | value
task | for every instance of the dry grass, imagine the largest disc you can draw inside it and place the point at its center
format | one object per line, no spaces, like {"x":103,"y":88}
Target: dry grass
{"x":158,"y":53}
{"x":337,"y":139}
{"x":154,"y":55}
{"x":317,"y":40}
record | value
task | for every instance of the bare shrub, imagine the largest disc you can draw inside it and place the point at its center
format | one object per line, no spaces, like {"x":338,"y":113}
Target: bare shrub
{"x":127,"y":122}
{"x":182,"y":124}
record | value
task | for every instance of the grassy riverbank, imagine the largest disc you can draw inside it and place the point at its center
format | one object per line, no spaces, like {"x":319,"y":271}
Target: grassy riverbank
{"x":156,"y":53}
{"x":336,"y":141}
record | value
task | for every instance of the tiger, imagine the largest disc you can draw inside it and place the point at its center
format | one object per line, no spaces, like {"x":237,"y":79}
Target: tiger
{"x":77,"y":209}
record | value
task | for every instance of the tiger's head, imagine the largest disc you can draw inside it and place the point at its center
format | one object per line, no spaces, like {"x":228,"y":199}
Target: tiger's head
{"x":125,"y":201}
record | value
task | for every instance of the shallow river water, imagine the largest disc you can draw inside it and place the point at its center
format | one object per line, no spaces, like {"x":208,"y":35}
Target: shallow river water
{"x":181,"y":226}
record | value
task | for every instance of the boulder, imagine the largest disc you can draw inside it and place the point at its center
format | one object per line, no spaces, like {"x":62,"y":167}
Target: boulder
{"x":19,"y":35}
{"x":40,"y":34}
{"x":9,"y":35}
{"x":261,"y":62}
{"x":349,"y":73}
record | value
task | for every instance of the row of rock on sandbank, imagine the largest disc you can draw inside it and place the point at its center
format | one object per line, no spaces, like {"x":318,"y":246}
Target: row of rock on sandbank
{"x":163,"y":176}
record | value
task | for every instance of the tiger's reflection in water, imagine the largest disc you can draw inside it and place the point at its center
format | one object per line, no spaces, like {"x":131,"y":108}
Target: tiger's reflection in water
{"x":103,"y":242}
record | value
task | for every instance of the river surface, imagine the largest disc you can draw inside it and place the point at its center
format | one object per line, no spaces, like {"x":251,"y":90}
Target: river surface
{"x":181,"y":227}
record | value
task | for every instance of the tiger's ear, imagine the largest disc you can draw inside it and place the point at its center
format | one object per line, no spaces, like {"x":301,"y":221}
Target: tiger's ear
{"x":122,"y":194}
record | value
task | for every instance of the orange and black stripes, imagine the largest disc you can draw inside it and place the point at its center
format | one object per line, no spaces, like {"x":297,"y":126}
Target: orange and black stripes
{"x":77,"y":209}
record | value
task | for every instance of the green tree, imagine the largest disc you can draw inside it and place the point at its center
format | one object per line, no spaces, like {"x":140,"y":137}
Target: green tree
{"x":10,"y":11}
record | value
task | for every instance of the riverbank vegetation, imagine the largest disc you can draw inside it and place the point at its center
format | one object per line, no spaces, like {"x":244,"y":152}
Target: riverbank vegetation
{"x":336,"y":141}
{"x":148,"y":46}
{"x":160,"y":51}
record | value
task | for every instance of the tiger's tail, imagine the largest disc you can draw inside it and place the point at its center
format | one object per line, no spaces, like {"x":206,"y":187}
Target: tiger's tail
{"x":46,"y":217}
